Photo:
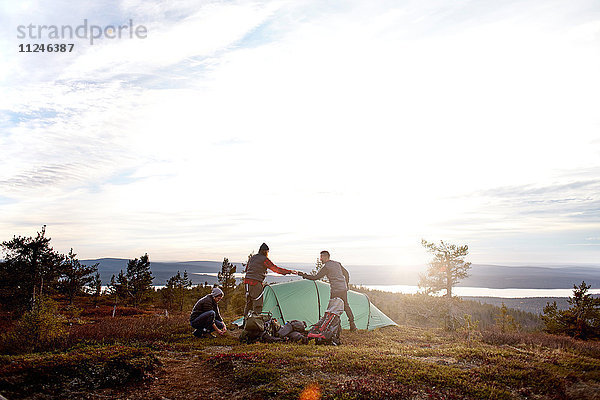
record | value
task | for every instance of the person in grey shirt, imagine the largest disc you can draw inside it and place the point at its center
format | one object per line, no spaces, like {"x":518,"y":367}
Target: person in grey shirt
{"x":338,"y":278}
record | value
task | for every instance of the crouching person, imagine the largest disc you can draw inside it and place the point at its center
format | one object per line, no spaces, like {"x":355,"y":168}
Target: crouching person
{"x":205,"y":317}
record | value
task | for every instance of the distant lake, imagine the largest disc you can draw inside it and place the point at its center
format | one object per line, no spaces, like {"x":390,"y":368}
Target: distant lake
{"x":465,"y":291}
{"x":483,"y":292}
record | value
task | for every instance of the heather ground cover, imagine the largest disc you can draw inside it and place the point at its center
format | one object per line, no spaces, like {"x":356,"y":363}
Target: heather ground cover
{"x":145,"y":355}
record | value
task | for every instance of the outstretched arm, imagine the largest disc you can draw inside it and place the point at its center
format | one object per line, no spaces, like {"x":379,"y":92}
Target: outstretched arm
{"x":275,"y":268}
{"x":319,"y":275}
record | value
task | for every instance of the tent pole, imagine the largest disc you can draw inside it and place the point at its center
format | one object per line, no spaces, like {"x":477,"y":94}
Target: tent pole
{"x":318,"y":300}
{"x":369,"y":316}
{"x":276,"y":302}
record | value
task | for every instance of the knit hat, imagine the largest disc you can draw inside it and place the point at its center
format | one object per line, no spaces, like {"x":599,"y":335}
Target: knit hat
{"x":263,"y":247}
{"x":216,"y":292}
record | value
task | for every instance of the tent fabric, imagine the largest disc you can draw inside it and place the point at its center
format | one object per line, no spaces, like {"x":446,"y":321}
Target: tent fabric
{"x":307,"y":300}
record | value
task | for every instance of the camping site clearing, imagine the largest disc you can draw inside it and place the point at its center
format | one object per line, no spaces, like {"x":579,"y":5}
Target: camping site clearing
{"x":152,"y":357}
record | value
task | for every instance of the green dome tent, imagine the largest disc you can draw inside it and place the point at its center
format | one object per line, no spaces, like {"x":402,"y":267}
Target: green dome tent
{"x":307,"y":300}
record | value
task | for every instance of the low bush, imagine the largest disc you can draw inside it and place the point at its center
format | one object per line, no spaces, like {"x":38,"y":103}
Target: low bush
{"x":247,"y":368}
{"x":495,"y":337}
{"x":40,"y":329}
{"x":142,"y":329}
{"x":371,"y":387}
{"x":60,"y":375}
{"x":107,"y":311}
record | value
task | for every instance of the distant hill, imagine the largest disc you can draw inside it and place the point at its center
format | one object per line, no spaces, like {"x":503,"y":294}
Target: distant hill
{"x":488,"y":276}
{"x":481,"y":275}
{"x":502,"y":277}
{"x":198,"y":271}
{"x":529,"y":304}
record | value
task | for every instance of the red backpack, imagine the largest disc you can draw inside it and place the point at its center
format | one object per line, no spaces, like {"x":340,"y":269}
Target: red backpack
{"x":329,"y":327}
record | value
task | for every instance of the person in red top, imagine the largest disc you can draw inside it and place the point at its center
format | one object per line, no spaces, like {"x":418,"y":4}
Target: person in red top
{"x":256,"y":271}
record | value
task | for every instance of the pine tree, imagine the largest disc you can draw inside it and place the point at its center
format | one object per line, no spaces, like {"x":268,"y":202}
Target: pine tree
{"x":186,"y":283}
{"x":469,"y":327}
{"x":581,"y":320}
{"x":552,"y":319}
{"x":118,"y":288}
{"x":175,"y":290}
{"x":139,"y":279}
{"x":244,"y":266}
{"x":227,"y":278}
{"x":75,"y":276}
{"x":168,"y":293}
{"x":318,"y":266}
{"x":447,"y":267}
{"x":111,"y":288}
{"x":96,"y":285}
{"x":504,"y":321}
{"x":30,"y":269}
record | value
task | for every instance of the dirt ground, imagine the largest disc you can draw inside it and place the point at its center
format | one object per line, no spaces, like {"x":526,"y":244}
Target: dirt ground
{"x":181,"y":376}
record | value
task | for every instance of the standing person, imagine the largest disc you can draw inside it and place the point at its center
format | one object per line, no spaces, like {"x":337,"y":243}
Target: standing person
{"x":205,"y":317}
{"x":256,"y":271}
{"x":338,"y":278}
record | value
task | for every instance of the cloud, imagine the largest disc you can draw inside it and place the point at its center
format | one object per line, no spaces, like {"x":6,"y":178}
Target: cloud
{"x":530,"y":190}
{"x":565,"y":202}
{"x":45,"y":176}
{"x":366,"y":126}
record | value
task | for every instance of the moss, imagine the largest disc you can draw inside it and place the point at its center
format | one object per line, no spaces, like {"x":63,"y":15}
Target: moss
{"x":256,"y":374}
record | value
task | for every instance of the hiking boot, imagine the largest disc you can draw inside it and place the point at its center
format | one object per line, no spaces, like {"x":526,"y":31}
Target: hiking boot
{"x":200,"y":333}
{"x":352,"y":326}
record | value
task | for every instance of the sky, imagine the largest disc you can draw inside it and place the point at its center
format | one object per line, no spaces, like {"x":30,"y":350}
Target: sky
{"x":352,"y":126}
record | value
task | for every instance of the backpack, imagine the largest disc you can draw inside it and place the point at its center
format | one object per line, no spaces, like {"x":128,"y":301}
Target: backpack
{"x":295,"y":336}
{"x":259,"y":327}
{"x":271,"y":327}
{"x":292,"y":326}
{"x":329,"y":327}
{"x":254,"y":327}
{"x":294,"y":331}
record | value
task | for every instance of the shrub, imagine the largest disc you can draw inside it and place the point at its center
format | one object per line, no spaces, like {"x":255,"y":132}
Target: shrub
{"x":80,"y":369}
{"x":371,"y":387}
{"x":247,"y":368}
{"x":237,"y":301}
{"x":506,"y":322}
{"x":107,"y":311}
{"x":469,"y":328}
{"x":144,"y":329}
{"x":42,"y":328}
{"x":498,"y":338}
